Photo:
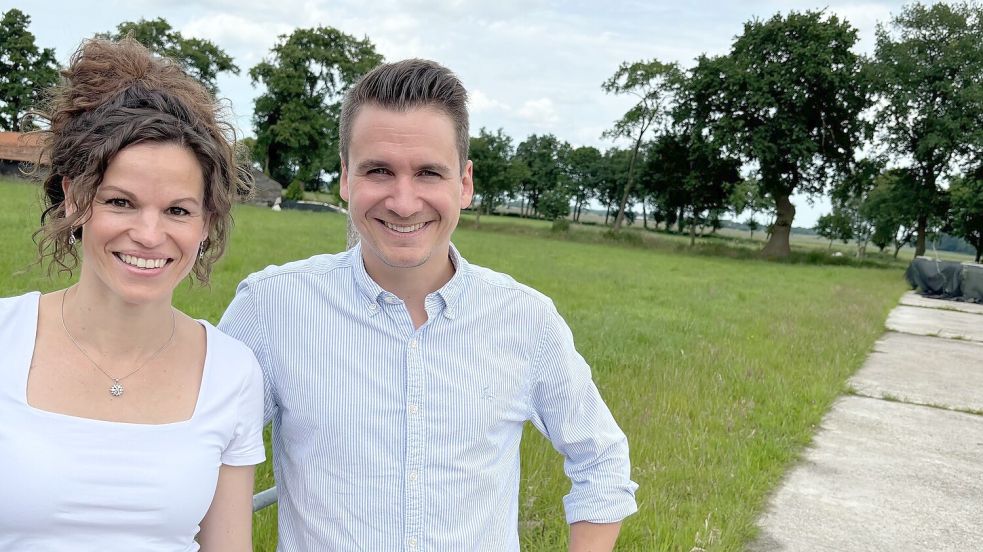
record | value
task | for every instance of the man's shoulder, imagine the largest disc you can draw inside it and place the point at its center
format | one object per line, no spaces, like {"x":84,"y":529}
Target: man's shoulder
{"x":498,"y":284}
{"x":316,"y":266}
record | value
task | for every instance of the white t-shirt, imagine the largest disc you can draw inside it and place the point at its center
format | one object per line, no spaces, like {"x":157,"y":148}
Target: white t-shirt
{"x":78,"y":485}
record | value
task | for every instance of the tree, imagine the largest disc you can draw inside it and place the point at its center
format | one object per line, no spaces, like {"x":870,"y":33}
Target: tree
{"x":25,"y":70}
{"x":837,"y":225}
{"x":613,"y":176}
{"x":929,"y":63}
{"x":654,"y":83}
{"x":585,"y":172}
{"x":966,"y":195}
{"x":687,"y":174}
{"x":492,"y":157}
{"x":893,"y":207}
{"x":296,"y":117}
{"x":787,"y":99}
{"x":201,"y":58}
{"x":545,"y":156}
{"x":747,"y":197}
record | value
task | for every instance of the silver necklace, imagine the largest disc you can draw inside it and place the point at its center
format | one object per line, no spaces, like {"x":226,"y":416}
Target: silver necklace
{"x":116,"y":389}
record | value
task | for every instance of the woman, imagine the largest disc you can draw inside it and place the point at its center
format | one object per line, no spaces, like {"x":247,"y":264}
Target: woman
{"x":126,"y":424}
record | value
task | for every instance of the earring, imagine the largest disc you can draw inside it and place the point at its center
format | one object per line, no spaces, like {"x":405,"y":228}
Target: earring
{"x":201,"y":250}
{"x":71,"y":238}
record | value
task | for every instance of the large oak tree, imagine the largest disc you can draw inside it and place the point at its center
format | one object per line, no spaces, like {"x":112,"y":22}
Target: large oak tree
{"x":787,"y":99}
{"x":296,"y":117}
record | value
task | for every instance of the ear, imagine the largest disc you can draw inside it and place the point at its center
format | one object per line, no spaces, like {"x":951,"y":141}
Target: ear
{"x":66,"y":189}
{"x":467,"y":185}
{"x":343,"y":182}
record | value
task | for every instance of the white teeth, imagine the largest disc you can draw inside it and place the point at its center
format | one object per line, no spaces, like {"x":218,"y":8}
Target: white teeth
{"x":141,"y":262}
{"x":404,"y":229}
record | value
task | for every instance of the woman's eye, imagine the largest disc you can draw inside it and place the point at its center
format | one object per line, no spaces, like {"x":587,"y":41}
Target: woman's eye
{"x":117,"y":202}
{"x":178,"y":211}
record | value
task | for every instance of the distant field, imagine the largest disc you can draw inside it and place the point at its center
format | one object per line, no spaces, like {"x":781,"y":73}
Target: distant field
{"x":717,"y":368}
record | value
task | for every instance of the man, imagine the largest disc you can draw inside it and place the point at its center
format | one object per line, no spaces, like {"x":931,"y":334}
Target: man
{"x":399,"y":376}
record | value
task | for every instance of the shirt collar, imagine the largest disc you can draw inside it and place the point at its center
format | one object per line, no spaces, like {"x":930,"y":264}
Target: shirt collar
{"x":373,"y":292}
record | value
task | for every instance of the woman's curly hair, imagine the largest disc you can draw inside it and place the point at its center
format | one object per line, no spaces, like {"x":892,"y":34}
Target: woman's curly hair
{"x":116,"y":94}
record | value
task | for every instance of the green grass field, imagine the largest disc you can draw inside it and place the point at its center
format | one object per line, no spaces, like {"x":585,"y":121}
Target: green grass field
{"x":718,"y":368}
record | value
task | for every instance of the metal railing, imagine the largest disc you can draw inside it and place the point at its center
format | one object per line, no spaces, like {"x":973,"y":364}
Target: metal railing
{"x":263,"y":499}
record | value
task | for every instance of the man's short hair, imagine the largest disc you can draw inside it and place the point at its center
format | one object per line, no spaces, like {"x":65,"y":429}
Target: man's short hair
{"x":405,"y":85}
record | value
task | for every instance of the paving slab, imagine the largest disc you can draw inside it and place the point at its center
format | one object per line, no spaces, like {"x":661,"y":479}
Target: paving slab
{"x":924,"y":370}
{"x":914,"y":300}
{"x":882,"y":475}
{"x":936,"y":322}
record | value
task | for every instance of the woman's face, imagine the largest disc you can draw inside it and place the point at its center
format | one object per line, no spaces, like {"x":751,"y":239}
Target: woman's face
{"x":147,"y":222}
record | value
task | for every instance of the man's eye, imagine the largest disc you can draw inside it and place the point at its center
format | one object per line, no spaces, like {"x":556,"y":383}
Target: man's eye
{"x":379,"y":170}
{"x":430,"y":173}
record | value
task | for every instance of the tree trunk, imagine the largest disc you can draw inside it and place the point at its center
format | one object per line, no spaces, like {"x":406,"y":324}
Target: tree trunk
{"x":645,"y":218}
{"x":778,"y":244}
{"x":920,"y":239}
{"x":620,"y":219}
{"x":692,"y":231}
{"x":477,"y":213}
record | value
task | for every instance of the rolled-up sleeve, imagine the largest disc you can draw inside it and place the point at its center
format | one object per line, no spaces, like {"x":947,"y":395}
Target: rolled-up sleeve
{"x":568,"y":409}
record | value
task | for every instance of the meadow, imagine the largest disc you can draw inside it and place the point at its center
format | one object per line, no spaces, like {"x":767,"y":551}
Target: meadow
{"x":717,"y":367}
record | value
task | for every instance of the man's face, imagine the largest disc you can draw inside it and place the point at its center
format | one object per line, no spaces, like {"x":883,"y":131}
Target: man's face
{"x":405,"y":188}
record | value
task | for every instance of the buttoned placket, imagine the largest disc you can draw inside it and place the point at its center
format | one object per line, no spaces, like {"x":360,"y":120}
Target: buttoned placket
{"x":414,"y":441}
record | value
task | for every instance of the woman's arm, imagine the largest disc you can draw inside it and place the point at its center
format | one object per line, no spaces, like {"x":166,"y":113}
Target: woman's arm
{"x":228,"y":525}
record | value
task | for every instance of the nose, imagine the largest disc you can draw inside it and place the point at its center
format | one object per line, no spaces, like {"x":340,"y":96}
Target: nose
{"x":404,"y":199}
{"x":147,"y":229}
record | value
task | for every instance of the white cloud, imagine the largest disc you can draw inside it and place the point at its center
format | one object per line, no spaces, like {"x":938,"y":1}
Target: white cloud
{"x":539,"y":112}
{"x":479,"y":102}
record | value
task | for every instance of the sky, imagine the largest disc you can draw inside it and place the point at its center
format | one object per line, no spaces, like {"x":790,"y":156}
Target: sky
{"x":530,"y":66}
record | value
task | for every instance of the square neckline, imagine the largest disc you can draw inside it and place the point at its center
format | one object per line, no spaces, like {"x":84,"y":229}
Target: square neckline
{"x":36,"y":297}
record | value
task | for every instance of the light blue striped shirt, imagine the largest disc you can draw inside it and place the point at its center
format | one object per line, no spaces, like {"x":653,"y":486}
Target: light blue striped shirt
{"x":387,"y":437}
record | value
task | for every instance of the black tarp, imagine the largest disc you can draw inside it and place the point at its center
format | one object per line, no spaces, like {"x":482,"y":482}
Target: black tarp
{"x":946,"y":279}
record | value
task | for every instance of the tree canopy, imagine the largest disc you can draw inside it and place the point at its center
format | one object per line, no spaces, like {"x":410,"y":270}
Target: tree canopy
{"x":296,"y":117}
{"x":653,"y":83}
{"x":25,"y":70}
{"x":201,"y":58}
{"x":929,"y":67}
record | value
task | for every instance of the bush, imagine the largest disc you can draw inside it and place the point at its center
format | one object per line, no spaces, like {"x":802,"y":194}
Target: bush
{"x":295,"y":191}
{"x":560,"y":225}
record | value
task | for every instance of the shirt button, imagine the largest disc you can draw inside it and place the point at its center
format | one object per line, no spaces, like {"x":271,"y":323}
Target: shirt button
{"x":412,"y":543}
{"x":373,"y":307}
{"x":414,"y":408}
{"x":413,"y":344}
{"x":413,"y":475}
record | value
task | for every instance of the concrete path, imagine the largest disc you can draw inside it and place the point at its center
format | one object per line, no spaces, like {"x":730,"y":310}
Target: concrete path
{"x":898,"y":465}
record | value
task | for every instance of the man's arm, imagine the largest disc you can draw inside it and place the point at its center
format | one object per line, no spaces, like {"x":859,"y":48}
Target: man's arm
{"x":569,"y":411}
{"x":593,"y":537}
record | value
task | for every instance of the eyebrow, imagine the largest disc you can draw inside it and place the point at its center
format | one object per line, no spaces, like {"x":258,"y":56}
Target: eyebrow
{"x":114,"y":190}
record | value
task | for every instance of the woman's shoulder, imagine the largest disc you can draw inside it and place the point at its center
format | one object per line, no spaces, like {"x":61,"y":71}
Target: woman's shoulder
{"x":20,"y":305}
{"x":224,"y":345}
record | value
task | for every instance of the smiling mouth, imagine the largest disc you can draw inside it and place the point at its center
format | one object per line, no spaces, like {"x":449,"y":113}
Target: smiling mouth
{"x":404,"y":229}
{"x":140,"y":262}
